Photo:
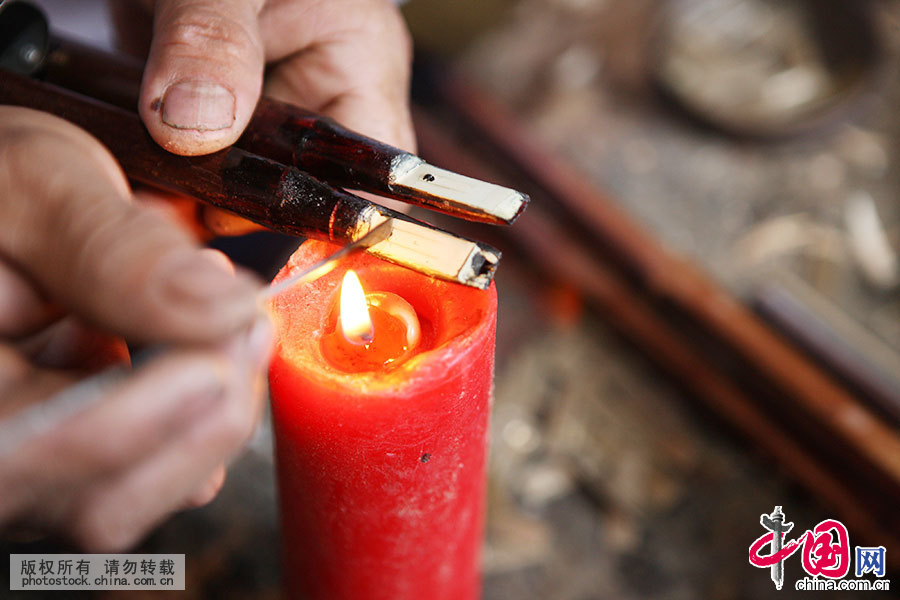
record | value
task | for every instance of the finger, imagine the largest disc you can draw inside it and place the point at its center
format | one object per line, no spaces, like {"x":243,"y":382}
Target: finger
{"x":21,"y":476}
{"x":130,"y":420}
{"x":375,"y":115}
{"x":349,"y":59}
{"x":208,"y":490}
{"x":114,"y":516}
{"x":127,"y":418}
{"x":66,"y":221}
{"x":203,"y":75}
{"x":23,"y":309}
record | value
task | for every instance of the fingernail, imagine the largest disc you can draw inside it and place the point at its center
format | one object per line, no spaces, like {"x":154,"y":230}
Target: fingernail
{"x":198,"y":105}
{"x":194,"y":276}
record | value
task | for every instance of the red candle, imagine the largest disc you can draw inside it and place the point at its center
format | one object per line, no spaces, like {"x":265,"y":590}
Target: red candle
{"x":381,"y":437}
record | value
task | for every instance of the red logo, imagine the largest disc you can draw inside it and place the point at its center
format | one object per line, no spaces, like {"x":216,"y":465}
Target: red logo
{"x":826,"y":550}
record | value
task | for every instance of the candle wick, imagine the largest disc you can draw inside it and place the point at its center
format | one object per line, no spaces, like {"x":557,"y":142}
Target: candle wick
{"x":367,"y":337}
{"x":359,"y":339}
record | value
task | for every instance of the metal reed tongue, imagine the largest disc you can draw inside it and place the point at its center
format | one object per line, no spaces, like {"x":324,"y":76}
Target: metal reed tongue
{"x":453,"y":193}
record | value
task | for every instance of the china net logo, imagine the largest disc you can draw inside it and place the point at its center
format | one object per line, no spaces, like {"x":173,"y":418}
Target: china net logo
{"x":825,"y":554}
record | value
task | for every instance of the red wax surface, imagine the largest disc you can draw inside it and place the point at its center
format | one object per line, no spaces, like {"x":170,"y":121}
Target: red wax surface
{"x":382,"y":474}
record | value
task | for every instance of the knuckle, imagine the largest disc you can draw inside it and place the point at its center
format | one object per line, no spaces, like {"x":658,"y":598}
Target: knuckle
{"x":110,"y":230}
{"x":110,"y":235}
{"x":204,"y":33}
{"x":383,"y":25}
{"x":39,"y":167}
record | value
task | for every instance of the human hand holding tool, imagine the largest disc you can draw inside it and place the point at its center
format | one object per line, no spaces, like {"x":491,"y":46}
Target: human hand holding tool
{"x":207,"y":63}
{"x":83,"y":268}
{"x":112,"y":402}
{"x":31,"y":422}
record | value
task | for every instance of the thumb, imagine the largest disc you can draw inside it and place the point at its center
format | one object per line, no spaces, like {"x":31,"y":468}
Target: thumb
{"x":203,"y":75}
{"x":67,"y":224}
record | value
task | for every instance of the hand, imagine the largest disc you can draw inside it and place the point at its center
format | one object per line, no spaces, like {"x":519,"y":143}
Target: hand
{"x":80,"y":266}
{"x":349,"y":59}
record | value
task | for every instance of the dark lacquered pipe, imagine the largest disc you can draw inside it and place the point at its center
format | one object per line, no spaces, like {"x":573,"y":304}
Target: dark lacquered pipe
{"x":293,"y":136}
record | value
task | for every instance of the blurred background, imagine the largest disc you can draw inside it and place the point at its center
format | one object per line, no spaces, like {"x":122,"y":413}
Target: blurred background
{"x":699,"y":313}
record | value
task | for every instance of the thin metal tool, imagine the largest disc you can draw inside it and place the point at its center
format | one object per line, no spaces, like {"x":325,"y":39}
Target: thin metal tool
{"x":39,"y":419}
{"x":325,"y":266}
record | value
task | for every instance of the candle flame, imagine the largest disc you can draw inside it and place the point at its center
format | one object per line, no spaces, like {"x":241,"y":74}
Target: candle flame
{"x":356,"y":325}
